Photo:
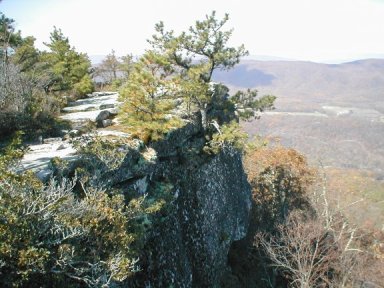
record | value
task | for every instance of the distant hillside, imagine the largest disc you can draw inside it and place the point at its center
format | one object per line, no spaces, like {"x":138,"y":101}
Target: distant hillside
{"x":306,"y":86}
{"x":332,"y":113}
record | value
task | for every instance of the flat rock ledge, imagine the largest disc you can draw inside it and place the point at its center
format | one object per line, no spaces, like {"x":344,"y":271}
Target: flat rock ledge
{"x":99,"y":108}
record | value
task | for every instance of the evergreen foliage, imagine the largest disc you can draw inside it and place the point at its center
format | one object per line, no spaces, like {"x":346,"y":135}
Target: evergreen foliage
{"x":84,"y":86}
{"x":248,"y":105}
{"x":194,"y":55}
{"x":147,"y":99}
{"x":26,"y":56}
{"x":43,"y":232}
{"x":32,"y":82}
{"x":181,"y":67}
{"x":230,"y":134}
{"x":64,"y":66}
{"x":9,"y":39}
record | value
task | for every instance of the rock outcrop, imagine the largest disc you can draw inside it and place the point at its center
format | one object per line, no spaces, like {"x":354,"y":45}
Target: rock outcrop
{"x":208,"y":201}
{"x":99,"y":108}
{"x":211,"y":211}
{"x":188,"y":244}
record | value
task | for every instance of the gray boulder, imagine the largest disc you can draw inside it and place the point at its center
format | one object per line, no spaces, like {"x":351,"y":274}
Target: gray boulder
{"x":106,"y":123}
{"x":44,"y":175}
{"x":113,"y":112}
{"x":103,"y":115}
{"x":52,"y":140}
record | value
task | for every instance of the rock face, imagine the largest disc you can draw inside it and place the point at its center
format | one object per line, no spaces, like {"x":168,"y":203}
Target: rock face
{"x":209,"y":209}
{"x":208,"y":198}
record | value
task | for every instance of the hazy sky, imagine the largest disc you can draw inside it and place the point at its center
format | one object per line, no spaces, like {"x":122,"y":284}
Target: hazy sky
{"x":315,"y":30}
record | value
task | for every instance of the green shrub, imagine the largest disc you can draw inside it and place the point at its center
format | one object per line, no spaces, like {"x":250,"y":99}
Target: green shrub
{"x":53,"y":236}
{"x":85,"y":86}
{"x":50,"y":236}
{"x":228,"y":135}
{"x":116,"y":84}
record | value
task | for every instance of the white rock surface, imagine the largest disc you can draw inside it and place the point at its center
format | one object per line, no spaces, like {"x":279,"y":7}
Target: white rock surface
{"x":89,"y":109}
{"x":38,"y":157}
{"x":111,"y":133}
{"x":81,"y":116}
{"x":91,"y":103}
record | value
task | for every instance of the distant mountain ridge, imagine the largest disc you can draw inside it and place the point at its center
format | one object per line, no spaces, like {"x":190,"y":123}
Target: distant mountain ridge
{"x":305,"y":86}
{"x":333,"y":113}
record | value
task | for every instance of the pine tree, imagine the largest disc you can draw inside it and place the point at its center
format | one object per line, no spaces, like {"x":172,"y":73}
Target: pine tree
{"x":64,"y":66}
{"x":182,"y":67}
{"x":147,"y":99}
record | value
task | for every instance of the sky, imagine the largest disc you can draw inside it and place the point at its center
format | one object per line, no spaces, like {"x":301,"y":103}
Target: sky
{"x":326,"y":31}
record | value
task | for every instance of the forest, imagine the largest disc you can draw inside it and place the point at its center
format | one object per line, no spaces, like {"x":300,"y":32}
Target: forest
{"x":187,"y":199}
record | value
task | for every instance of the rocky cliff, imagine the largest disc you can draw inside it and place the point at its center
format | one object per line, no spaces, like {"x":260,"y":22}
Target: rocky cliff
{"x":211,"y":211}
{"x":208,"y":205}
{"x":206,"y":197}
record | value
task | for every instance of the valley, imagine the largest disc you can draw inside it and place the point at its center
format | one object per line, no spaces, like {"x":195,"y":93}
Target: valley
{"x":334,"y":114}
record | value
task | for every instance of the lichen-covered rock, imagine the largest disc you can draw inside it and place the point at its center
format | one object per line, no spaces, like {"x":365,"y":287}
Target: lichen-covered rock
{"x":208,"y":201}
{"x":211,"y":201}
{"x":211,"y":211}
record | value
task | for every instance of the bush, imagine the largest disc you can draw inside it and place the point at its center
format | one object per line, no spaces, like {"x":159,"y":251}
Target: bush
{"x":11,"y":122}
{"x":16,"y":89}
{"x":42,"y":124}
{"x":24,"y":105}
{"x":296,"y":238}
{"x":64,"y":233}
{"x":321,"y":251}
{"x":280,"y":179}
{"x":85,"y":86}
{"x":228,"y":135}
{"x":49,"y":236}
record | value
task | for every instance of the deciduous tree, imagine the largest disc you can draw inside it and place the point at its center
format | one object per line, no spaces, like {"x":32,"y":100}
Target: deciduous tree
{"x":109,"y":67}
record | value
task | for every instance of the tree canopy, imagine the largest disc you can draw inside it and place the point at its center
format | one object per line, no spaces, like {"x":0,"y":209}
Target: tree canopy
{"x":194,"y":55}
{"x":114,"y":70}
{"x":32,"y":81}
{"x":9,"y":39}
{"x":182,"y":67}
{"x":65,"y":66}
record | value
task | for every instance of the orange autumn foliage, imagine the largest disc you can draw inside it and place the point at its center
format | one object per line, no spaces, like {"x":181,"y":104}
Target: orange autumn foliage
{"x":280,"y":178}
